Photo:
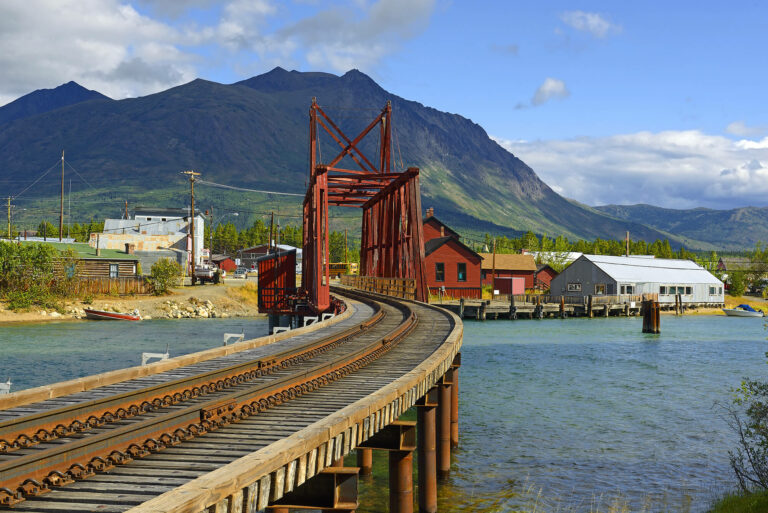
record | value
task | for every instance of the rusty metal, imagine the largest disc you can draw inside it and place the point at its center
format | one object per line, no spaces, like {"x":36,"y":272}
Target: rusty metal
{"x":392,"y":242}
{"x":444,"y":427}
{"x":73,"y":419}
{"x":401,"y":481}
{"x":365,"y":461}
{"x":101,"y":451}
{"x":455,"y":401}
{"x":426,"y":451}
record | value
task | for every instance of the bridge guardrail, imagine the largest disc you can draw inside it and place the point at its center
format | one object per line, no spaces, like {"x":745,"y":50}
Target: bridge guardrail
{"x":404,"y":288}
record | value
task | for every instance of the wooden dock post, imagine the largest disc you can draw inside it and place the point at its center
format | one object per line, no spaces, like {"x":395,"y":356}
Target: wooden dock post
{"x":426,"y":451}
{"x":651,"y":317}
{"x":512,"y":307}
{"x":562,"y":307}
{"x":589,"y":306}
{"x":482,"y":311}
{"x":606,"y":310}
{"x":461,"y":308}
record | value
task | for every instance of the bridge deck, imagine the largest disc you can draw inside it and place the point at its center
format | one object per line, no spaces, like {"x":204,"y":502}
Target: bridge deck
{"x":292,"y":422}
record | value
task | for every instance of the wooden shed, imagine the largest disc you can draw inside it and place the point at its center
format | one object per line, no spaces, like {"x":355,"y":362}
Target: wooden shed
{"x":508,"y":266}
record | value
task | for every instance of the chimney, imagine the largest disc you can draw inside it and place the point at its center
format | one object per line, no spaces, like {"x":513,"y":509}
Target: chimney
{"x":442,"y":231}
{"x":430,"y":212}
{"x":130,"y":248}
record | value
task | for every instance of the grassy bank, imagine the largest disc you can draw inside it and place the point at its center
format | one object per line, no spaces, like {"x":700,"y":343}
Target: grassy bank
{"x":742,"y":503}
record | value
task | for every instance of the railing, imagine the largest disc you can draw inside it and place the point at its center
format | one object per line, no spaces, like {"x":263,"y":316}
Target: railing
{"x":396,"y":287}
{"x":120,"y":286}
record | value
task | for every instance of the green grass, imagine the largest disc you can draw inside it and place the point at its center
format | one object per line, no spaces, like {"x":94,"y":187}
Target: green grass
{"x":742,"y":503}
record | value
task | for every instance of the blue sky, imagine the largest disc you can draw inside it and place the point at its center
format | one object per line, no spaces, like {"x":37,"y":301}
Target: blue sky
{"x":609,"y":102}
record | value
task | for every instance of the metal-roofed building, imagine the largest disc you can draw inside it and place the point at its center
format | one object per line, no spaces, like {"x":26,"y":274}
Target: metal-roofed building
{"x":601,"y":275}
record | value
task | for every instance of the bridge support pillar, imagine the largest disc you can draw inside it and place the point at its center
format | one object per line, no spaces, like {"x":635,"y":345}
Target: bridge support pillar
{"x":399,"y":438}
{"x":444,"y":426}
{"x":427,"y":455}
{"x":401,"y":482}
{"x":455,"y":402}
{"x":365,"y":461}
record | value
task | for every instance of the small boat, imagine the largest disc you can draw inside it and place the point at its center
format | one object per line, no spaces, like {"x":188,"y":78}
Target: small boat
{"x":743,"y":311}
{"x":103,"y":315}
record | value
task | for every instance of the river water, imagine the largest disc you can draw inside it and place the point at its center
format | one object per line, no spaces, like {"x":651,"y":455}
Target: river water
{"x":556,"y":415}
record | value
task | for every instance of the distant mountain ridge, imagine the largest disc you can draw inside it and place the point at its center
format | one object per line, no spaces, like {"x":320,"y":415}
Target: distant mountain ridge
{"x":254,"y":133}
{"x":46,"y":100}
{"x":735,"y":228}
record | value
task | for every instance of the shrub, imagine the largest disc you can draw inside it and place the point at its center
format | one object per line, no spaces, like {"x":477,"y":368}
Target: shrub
{"x":738,"y":285}
{"x":164,"y":274}
{"x":749,"y":419}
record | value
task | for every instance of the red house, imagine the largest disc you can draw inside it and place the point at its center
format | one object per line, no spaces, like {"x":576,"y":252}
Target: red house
{"x":224,"y":262}
{"x":543,"y":276}
{"x":508,"y":266}
{"x":451,"y":266}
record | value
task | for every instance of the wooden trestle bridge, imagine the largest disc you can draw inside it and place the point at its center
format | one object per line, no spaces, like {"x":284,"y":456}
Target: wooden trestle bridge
{"x":265,"y":424}
{"x":259,"y":425}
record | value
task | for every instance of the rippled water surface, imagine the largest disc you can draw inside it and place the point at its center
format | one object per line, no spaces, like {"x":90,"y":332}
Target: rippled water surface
{"x":582,"y":415}
{"x":39,"y":354}
{"x":556,"y":415}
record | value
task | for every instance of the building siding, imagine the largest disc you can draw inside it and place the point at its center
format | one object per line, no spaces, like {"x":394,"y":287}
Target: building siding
{"x":451,"y":254}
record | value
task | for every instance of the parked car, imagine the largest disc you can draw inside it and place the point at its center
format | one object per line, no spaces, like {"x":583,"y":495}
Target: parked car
{"x":240,"y":273}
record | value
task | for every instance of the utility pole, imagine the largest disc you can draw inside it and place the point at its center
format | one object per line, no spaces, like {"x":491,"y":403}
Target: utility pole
{"x":61,"y":206}
{"x":346,"y":260}
{"x":210,"y":235}
{"x":493,"y":269}
{"x":192,"y":175}
{"x":271,"y":221}
{"x":125,"y":215}
{"x":627,"y":243}
{"x":9,"y":218}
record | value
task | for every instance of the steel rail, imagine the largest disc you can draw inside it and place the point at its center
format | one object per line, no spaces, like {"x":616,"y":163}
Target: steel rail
{"x":40,"y":470}
{"x":44,"y":426}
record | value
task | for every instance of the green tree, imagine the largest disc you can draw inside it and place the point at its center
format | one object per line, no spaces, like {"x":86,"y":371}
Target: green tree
{"x":47,"y":230}
{"x":738,"y":284}
{"x":164,"y":274}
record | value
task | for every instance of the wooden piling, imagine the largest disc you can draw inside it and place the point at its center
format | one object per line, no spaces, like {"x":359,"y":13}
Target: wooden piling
{"x":461,"y":308}
{"x":651,"y":317}
{"x":482,"y":310}
{"x":512,"y":307}
{"x":606,"y":310}
{"x":589,"y":306}
{"x":562,"y":307}
{"x":365,"y":461}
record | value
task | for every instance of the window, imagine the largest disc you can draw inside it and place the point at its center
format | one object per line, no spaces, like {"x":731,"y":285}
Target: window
{"x":149,"y":219}
{"x":113,"y":270}
{"x":720,"y":290}
{"x":712,"y":291}
{"x":681,"y":290}
{"x":461,"y":271}
{"x":627,"y":289}
{"x":662,"y":289}
{"x":484,"y":274}
{"x":599,"y":289}
{"x":439,"y":271}
{"x":574,"y":287}
{"x":163,"y":219}
{"x":688,"y":291}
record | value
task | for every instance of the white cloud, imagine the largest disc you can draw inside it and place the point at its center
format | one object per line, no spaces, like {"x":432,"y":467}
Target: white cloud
{"x":550,"y":89}
{"x":590,"y":22}
{"x":743,"y":130}
{"x":675,"y":169}
{"x":102,"y":44}
{"x":109,"y":46}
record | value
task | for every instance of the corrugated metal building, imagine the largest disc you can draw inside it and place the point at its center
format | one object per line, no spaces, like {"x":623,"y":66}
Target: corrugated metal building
{"x":601,"y":275}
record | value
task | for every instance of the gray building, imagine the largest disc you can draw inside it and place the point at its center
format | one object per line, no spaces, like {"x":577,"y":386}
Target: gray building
{"x":600,"y":275}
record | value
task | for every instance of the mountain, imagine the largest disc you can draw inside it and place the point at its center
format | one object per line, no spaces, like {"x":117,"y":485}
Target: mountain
{"x":46,"y":100}
{"x":737,"y":228}
{"x":254,"y":134}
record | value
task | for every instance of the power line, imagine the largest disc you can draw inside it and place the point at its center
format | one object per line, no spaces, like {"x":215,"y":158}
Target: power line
{"x":244,"y":189}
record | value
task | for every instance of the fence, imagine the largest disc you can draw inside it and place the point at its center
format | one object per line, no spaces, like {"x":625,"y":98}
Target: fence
{"x":396,"y":287}
{"x":119,"y":286}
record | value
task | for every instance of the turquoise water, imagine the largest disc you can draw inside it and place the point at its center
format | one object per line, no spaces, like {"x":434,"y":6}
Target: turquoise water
{"x":556,"y":415}
{"x":583,"y":415}
{"x":43,"y":353}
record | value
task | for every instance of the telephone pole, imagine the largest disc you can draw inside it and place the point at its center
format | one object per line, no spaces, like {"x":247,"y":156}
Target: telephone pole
{"x":192,"y":175}
{"x":9,"y":218}
{"x":61,"y":205}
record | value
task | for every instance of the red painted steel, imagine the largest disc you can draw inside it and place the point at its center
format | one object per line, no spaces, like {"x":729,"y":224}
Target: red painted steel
{"x":277,"y":282}
{"x":392,"y":234}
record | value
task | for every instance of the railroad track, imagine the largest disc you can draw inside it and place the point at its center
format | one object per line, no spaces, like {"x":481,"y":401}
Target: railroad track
{"x":142,"y":442}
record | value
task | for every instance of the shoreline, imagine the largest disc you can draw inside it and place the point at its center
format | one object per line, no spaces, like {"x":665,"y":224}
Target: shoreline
{"x":232,"y":298}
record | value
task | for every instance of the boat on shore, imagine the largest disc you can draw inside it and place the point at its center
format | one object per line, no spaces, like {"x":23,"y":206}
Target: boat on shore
{"x":103,"y":315}
{"x":743,"y":311}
